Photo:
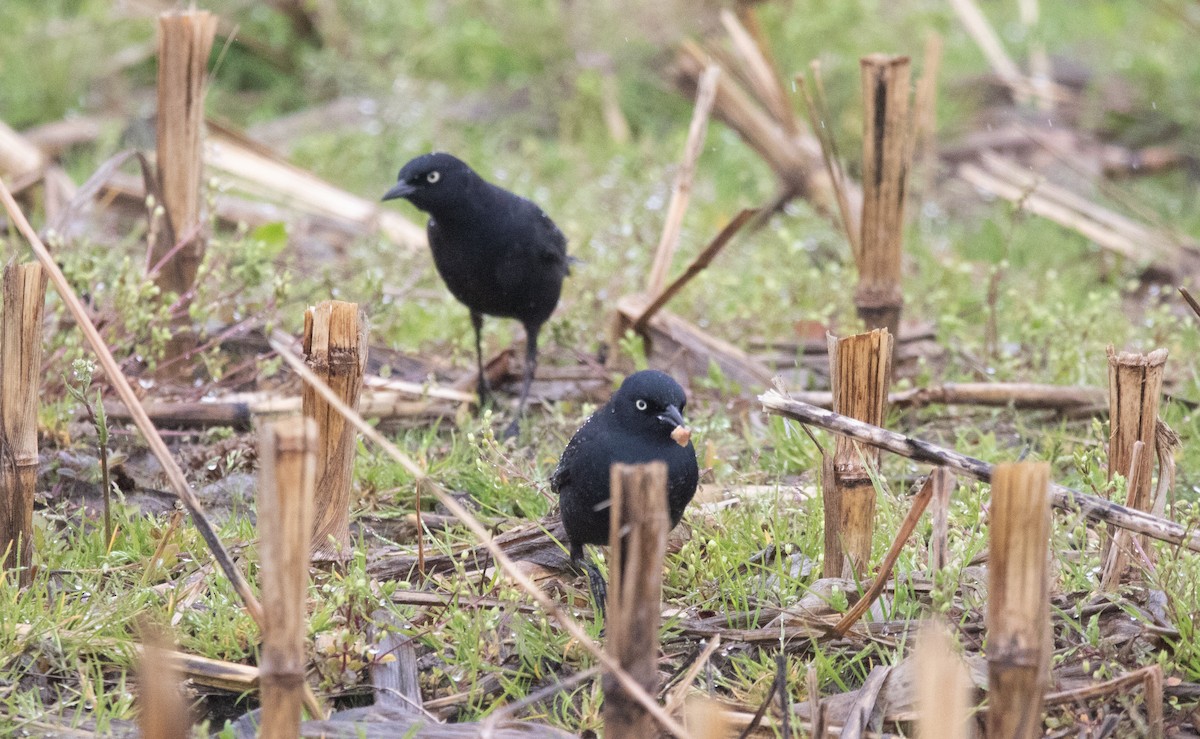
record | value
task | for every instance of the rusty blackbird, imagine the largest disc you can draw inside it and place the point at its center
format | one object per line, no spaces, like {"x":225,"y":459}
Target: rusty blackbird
{"x":497,"y":252}
{"x":642,"y":422}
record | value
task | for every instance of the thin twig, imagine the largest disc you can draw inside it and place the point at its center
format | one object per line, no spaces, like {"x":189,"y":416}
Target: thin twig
{"x":919,"y":503}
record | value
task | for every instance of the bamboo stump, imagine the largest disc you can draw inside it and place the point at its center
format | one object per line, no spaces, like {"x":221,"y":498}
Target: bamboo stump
{"x":1018,"y":617}
{"x":285,"y":512}
{"x":943,"y":690}
{"x":638,"y":542}
{"x":335,"y":344}
{"x":184,"y":42}
{"x":1134,"y":388}
{"x":887,"y":154}
{"x":20,"y":375}
{"x":860,"y":367}
{"x":162,"y":711}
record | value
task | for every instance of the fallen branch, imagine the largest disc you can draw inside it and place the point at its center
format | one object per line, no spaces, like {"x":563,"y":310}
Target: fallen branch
{"x":1063,"y":498}
{"x":1026,"y":395}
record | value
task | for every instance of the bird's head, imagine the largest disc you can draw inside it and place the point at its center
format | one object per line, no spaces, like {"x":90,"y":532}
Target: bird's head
{"x":431,"y":180}
{"x":651,"y":403}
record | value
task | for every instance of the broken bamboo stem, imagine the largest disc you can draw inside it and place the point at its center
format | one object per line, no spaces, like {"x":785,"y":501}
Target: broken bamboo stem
{"x":1063,"y":498}
{"x":1134,"y":388}
{"x":638,"y":543}
{"x":943,"y":708}
{"x":162,"y":712}
{"x":335,"y":345}
{"x":1018,"y":617}
{"x":698,"y":265}
{"x":184,"y":42}
{"x":1027,"y":395}
{"x":860,"y":371}
{"x":20,"y":384}
{"x":681,"y":193}
{"x":943,"y":483}
{"x":285,"y":512}
{"x":887,"y":155}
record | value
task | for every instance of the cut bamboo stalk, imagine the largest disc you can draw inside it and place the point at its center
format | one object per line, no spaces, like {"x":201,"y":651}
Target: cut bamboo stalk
{"x":1134,"y":389}
{"x":335,"y":345}
{"x":162,"y":712}
{"x":285,"y":512}
{"x":681,"y":194}
{"x":943,"y":483}
{"x":860,"y":370}
{"x":943,"y":708}
{"x":1018,"y":617}
{"x":184,"y":42}
{"x":20,"y":373}
{"x":1091,"y":507}
{"x":638,"y":542}
{"x":887,"y":154}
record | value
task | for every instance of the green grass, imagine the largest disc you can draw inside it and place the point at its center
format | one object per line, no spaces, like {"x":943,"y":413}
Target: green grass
{"x":1012,"y":297}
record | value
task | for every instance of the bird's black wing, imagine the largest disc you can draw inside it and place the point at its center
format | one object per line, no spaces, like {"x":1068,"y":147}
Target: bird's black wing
{"x":547,"y":239}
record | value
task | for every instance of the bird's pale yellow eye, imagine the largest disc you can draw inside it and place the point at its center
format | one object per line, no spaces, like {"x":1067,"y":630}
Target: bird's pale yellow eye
{"x":433,"y":177}
{"x":641,"y":404}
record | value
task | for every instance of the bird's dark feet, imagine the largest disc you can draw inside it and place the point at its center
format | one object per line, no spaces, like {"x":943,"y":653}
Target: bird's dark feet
{"x":598,"y":587}
{"x":484,"y":391}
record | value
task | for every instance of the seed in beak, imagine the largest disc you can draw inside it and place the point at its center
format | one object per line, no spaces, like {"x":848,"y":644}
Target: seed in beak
{"x":681,"y":435}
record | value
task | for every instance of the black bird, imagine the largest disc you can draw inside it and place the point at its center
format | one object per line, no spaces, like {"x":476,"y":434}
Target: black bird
{"x":642,"y":422}
{"x":499,"y":254}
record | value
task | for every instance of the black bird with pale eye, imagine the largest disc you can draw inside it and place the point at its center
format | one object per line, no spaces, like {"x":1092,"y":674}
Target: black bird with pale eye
{"x":497,"y":252}
{"x":642,"y":422}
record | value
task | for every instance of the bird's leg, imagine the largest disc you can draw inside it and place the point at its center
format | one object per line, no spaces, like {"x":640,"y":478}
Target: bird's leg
{"x":482,"y":386}
{"x":596,"y":582}
{"x":531,"y":340}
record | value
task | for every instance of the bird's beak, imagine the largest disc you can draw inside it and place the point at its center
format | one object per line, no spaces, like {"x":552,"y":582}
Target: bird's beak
{"x":400,"y":190}
{"x":681,"y":434}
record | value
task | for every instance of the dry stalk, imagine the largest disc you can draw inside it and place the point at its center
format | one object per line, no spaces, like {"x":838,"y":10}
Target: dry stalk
{"x":184,"y":42}
{"x":919,"y":502}
{"x":162,"y":712}
{"x":1018,"y":616}
{"x":943,"y":483}
{"x":759,"y":72}
{"x":158,"y":447}
{"x":20,"y":382}
{"x":285,"y":512}
{"x":1134,"y":389}
{"x":860,"y":371}
{"x":698,"y":265}
{"x":943,"y":705}
{"x":681,"y":193}
{"x":1064,"y":498}
{"x":638,"y":542}
{"x":335,"y":343}
{"x":279,"y":342}
{"x":818,"y":114}
{"x":984,"y":36}
{"x":887,"y":158}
